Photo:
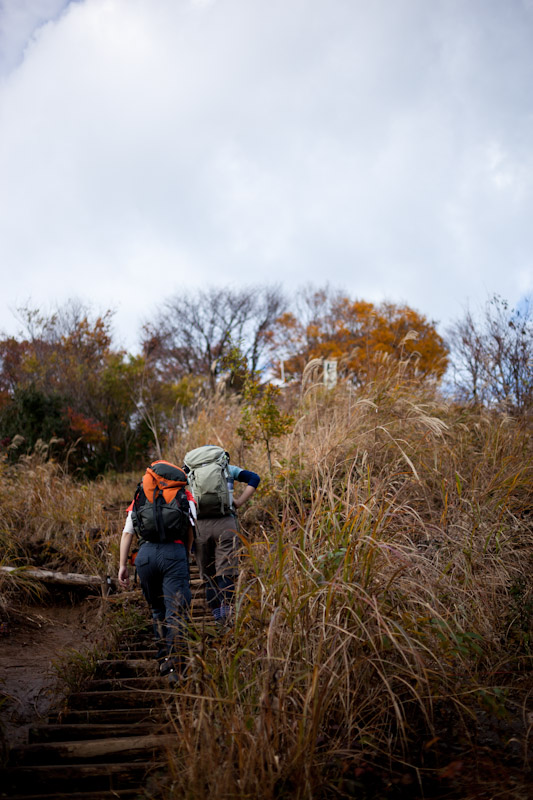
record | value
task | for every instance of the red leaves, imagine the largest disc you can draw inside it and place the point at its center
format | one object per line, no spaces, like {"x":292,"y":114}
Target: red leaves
{"x":88,"y":430}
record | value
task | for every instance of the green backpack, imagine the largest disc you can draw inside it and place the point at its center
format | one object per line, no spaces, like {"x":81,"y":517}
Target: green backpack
{"x":208,"y":480}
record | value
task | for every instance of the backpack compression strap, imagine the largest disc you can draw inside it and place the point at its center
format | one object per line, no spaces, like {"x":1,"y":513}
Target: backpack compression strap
{"x":158,"y":513}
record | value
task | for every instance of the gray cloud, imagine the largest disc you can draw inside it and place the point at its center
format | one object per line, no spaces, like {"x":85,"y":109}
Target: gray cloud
{"x":381,"y":146}
{"x":20,"y":20}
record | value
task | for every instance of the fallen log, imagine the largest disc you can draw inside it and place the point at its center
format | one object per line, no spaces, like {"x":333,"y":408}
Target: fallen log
{"x":65,"y":578}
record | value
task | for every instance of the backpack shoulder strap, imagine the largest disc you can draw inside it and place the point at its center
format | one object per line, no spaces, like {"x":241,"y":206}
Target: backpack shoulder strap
{"x":138,"y":498}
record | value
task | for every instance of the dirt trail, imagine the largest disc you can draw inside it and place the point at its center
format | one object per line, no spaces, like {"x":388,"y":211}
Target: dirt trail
{"x":31,"y":643}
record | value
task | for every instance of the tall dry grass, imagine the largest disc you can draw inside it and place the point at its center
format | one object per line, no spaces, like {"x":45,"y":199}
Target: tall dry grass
{"x":384,"y":610}
{"x":49,"y":519}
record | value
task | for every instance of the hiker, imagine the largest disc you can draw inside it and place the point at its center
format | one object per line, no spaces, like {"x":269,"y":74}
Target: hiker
{"x":218,"y":544}
{"x":162,"y":515}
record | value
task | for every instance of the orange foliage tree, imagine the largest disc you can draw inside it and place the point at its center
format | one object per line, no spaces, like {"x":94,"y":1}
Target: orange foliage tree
{"x":330,"y":325}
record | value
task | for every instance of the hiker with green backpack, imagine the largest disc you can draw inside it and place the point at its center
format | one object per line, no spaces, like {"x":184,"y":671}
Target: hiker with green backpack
{"x":218,"y":541}
{"x":162,"y":515}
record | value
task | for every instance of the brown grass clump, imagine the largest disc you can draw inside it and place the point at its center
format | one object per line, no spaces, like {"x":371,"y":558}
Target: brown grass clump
{"x":51,"y":520}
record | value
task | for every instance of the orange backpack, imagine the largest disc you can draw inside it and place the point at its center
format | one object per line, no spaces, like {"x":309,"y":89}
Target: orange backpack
{"x":160,"y":506}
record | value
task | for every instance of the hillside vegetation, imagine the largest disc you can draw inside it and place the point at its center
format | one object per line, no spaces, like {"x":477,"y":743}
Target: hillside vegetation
{"x":382,"y":638}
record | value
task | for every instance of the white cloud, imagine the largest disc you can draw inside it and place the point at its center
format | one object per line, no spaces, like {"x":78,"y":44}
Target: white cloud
{"x":381,"y":146}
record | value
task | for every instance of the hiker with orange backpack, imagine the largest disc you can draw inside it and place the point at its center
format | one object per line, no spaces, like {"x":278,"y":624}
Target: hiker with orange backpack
{"x":218,"y":542}
{"x":162,"y":515}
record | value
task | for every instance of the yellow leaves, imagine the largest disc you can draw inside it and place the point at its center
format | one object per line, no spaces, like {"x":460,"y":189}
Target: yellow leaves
{"x":357,"y":333}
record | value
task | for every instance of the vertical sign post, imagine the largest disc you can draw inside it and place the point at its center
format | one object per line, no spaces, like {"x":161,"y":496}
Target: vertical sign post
{"x":330,"y":373}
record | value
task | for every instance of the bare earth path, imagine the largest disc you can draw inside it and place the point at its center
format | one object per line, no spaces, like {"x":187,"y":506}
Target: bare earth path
{"x":30,"y":644}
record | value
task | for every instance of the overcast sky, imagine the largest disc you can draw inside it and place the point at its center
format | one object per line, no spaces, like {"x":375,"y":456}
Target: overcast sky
{"x":384,"y":146}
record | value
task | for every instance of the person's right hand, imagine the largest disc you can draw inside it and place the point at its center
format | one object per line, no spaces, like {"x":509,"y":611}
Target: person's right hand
{"x":124,"y":577}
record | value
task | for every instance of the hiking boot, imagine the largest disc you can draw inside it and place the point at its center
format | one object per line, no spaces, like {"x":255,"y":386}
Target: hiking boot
{"x":174,"y":678}
{"x":166,"y":666}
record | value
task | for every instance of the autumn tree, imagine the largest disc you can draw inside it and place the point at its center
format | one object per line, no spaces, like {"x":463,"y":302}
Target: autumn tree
{"x":328,"y":324}
{"x":195,"y":331}
{"x":65,"y":362}
{"x":492,"y":355}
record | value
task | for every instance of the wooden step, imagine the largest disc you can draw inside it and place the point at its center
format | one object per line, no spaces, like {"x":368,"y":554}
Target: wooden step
{"x":71,"y":732}
{"x":113,"y":716}
{"x":62,"y":777}
{"x":101,"y":794}
{"x":147,"y":654}
{"x":112,"y":684}
{"x":134,"y":654}
{"x":138,"y":646}
{"x":122,"y":698}
{"x":127,"y":748}
{"x":126,"y":667}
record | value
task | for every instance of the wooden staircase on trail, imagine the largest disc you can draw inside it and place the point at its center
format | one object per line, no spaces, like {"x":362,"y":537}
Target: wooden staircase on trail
{"x":112,"y":739}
